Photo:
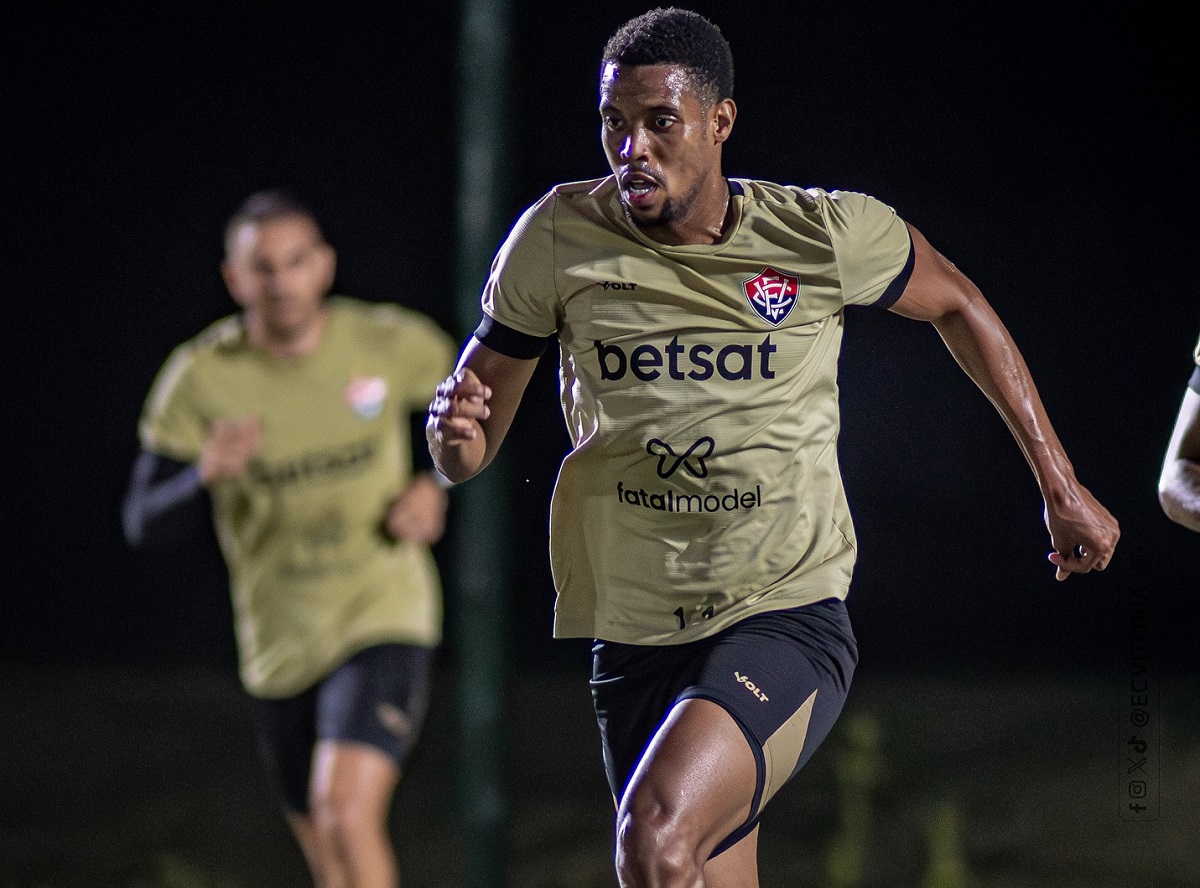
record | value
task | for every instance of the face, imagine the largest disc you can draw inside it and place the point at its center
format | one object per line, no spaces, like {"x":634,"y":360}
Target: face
{"x":663,"y":145}
{"x":280,"y":271}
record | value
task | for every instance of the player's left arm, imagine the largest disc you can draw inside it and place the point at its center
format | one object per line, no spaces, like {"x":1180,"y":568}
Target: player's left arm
{"x":1082,"y":531}
{"x":418,"y":512}
{"x":1179,"y":484}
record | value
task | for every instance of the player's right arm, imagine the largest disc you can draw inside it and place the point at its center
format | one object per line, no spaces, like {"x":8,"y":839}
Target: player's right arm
{"x":1179,"y":484}
{"x":159,"y":488}
{"x":473,"y":408}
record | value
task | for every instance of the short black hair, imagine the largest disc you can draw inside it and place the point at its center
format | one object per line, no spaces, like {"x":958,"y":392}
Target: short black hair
{"x":264,"y":206}
{"x":672,"y":36}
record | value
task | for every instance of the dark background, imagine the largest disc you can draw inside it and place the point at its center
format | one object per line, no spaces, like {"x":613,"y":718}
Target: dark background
{"x":1043,"y":152}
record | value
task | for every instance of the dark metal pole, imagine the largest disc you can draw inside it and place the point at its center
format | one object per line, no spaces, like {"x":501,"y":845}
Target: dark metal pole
{"x":481,"y":556}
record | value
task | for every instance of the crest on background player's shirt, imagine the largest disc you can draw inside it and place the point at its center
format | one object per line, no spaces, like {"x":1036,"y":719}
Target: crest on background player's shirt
{"x":772,"y":294}
{"x":366,"y":394}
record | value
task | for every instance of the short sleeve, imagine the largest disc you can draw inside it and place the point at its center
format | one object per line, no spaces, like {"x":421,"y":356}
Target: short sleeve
{"x":520,"y":291}
{"x":872,"y":247}
{"x":172,"y":424}
{"x":428,"y":354}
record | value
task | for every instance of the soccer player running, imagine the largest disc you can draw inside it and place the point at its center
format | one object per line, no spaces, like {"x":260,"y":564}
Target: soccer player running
{"x":1179,"y":483}
{"x":295,"y":415}
{"x":699,"y":529}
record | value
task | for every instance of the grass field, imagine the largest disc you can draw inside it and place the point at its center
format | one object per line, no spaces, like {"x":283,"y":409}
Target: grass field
{"x":128,"y":779}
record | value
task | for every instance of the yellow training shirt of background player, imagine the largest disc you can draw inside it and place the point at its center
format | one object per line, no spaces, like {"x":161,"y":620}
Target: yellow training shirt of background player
{"x":314,"y":576}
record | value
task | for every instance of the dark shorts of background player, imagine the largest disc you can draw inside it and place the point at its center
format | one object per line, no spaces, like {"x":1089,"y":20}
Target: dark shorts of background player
{"x":378,"y":697}
{"x":782,"y":675}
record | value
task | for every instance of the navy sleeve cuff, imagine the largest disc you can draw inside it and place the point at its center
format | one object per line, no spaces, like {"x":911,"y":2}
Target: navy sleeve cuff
{"x":510,"y":342}
{"x":899,"y":282}
{"x":158,"y":487}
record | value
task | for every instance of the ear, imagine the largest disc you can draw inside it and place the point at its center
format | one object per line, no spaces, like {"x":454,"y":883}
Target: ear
{"x":329,"y":265}
{"x":229,"y":276}
{"x":724,"y":113}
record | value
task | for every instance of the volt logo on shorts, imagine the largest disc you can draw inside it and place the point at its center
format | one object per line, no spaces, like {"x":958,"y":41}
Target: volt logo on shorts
{"x":750,"y":686}
{"x":698,"y":361}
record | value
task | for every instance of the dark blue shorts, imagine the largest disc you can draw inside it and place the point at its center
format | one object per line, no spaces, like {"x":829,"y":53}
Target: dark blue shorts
{"x":378,"y":697}
{"x":782,"y":675}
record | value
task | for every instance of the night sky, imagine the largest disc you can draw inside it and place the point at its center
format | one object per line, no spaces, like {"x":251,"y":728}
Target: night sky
{"x":1042,"y":153}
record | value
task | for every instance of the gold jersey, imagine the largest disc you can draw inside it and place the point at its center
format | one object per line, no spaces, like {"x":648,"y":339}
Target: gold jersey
{"x":314,"y":576}
{"x":699,"y":388}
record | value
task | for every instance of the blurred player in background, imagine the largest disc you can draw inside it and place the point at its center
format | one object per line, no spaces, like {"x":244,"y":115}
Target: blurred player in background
{"x":1179,"y":484}
{"x":295,"y":416}
{"x":699,"y":528}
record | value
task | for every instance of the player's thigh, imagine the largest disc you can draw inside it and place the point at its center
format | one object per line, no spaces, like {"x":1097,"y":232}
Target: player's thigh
{"x":353,"y":780}
{"x":286,"y":732}
{"x":783,"y":676}
{"x":696,"y":777}
{"x":634,"y":687}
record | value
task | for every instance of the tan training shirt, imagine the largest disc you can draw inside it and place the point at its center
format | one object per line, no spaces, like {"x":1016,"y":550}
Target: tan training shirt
{"x":699,"y":388}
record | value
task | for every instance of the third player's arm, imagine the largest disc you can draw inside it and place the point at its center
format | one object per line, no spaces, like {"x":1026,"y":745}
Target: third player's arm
{"x":1179,"y":485}
{"x":473,"y":409}
{"x":941,"y":294}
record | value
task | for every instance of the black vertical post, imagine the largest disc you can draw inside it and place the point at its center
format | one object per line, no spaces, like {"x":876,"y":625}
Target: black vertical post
{"x":481,"y":553}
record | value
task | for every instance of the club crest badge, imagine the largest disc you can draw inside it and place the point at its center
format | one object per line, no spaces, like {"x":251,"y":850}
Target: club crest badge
{"x":772,"y":294}
{"x":366,"y":395}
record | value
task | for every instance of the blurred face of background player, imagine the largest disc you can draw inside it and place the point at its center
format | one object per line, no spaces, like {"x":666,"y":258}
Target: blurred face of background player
{"x":279,"y":271}
{"x":663,"y":143}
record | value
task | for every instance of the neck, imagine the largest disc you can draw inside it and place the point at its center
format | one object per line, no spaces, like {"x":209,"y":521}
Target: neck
{"x":283,"y":343}
{"x":705,"y":222}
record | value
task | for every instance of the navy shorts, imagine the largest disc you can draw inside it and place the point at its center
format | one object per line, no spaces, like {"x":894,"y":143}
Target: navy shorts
{"x":782,"y":675}
{"x":378,"y":697}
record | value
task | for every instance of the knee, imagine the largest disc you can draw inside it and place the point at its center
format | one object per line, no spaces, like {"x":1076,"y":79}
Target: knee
{"x":342,"y":821}
{"x":654,"y":847}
